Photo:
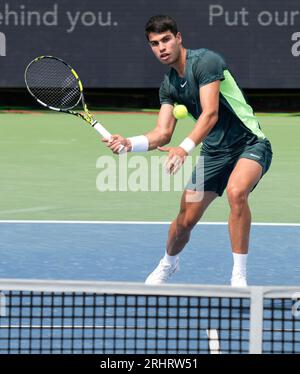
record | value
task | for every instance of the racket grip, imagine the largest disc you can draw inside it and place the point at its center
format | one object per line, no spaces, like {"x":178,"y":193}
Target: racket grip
{"x":107,"y":135}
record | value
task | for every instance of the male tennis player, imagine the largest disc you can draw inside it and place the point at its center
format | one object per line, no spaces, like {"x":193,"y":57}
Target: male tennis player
{"x":236,"y":151}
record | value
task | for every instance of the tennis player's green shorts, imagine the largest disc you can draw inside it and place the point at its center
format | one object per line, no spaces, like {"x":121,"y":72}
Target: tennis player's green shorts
{"x":212,"y":172}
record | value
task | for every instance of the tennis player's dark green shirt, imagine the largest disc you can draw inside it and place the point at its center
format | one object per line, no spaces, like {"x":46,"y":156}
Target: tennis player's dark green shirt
{"x":237,"y":124}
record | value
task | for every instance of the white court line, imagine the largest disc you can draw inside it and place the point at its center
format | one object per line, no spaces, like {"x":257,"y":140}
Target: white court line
{"x":213,"y":340}
{"x":138,"y":223}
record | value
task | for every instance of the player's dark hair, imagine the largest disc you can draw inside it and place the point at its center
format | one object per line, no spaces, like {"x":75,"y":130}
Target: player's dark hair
{"x":159,"y":24}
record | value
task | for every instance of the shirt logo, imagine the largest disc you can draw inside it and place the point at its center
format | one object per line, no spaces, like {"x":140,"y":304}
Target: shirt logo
{"x":183,"y":84}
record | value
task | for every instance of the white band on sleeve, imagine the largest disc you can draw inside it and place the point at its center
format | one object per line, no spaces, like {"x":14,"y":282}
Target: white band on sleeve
{"x":188,"y":145}
{"x":139,"y":143}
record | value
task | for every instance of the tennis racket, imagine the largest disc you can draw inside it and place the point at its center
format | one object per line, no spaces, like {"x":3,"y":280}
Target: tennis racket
{"x":55,"y":85}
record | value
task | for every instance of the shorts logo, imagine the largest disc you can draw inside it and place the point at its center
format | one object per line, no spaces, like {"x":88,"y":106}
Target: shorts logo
{"x":251,"y":154}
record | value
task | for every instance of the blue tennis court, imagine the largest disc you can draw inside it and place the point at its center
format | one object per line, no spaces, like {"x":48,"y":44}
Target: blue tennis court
{"x":129,"y":251}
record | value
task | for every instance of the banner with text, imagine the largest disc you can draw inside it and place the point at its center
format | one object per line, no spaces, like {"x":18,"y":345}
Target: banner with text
{"x":104,"y":39}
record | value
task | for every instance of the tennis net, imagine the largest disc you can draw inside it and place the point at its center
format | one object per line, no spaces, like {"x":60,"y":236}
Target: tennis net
{"x":112,"y":317}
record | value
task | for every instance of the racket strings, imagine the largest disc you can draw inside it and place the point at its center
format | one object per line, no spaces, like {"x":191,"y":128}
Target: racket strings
{"x":53,"y":83}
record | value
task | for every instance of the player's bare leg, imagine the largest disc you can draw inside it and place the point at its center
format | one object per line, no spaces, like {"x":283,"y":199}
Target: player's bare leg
{"x":191,"y":210}
{"x":244,"y":177}
{"x":190,"y":213}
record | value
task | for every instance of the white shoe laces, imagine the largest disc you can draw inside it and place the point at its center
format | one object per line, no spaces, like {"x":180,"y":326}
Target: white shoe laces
{"x":164,"y":270}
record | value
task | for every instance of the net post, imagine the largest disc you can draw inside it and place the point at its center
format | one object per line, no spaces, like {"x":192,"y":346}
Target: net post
{"x":256,"y":320}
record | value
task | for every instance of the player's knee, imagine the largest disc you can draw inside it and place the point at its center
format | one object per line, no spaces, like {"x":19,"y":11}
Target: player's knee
{"x":236,"y":196}
{"x":185,"y":222}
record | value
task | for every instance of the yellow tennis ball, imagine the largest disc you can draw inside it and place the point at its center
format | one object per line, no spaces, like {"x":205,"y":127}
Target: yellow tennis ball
{"x":180,"y":111}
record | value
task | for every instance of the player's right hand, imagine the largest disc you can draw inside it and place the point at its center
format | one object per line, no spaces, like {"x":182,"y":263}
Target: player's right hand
{"x":115,"y":142}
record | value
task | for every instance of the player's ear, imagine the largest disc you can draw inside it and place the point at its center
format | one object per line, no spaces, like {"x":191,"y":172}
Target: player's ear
{"x":179,"y":37}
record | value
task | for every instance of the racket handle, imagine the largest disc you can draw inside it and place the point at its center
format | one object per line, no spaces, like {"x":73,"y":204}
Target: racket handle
{"x":107,"y":135}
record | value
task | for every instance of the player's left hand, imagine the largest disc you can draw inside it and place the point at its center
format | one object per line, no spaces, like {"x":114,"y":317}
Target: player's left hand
{"x":175,"y":159}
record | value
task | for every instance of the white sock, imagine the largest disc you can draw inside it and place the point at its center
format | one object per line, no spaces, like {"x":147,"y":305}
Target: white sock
{"x":239,"y":263}
{"x":170,"y":260}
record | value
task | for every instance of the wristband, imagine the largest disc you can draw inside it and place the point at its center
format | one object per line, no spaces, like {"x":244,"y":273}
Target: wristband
{"x":139,"y":143}
{"x":188,"y":145}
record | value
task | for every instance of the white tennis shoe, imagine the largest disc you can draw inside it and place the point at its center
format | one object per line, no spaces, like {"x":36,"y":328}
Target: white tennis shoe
{"x":238,"y":280}
{"x":162,"y":273}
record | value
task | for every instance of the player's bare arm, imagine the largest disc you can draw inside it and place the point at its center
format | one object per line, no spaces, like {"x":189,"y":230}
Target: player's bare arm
{"x":209,"y":101}
{"x":159,"y":136}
